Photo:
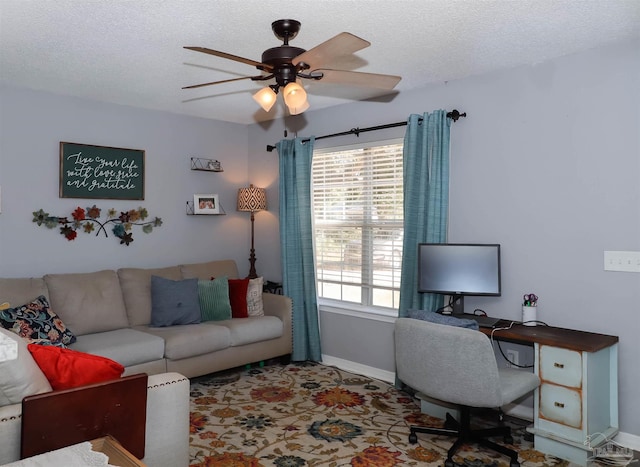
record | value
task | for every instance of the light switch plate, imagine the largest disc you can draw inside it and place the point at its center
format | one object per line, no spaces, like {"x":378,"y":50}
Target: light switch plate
{"x":625,"y":261}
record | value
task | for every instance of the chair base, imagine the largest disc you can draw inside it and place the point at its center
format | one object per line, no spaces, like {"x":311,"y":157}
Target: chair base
{"x":462,"y":430}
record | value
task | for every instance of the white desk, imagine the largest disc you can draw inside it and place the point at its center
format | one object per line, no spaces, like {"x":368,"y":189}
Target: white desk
{"x":577,"y":401}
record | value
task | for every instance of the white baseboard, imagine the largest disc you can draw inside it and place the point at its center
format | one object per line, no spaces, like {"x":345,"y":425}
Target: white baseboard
{"x":628,"y":440}
{"x":624,"y":439}
{"x":360,"y":369}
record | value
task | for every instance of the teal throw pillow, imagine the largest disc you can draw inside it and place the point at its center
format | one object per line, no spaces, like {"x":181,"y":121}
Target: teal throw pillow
{"x":214,"y":299}
{"x":437,"y":318}
{"x":174,"y":302}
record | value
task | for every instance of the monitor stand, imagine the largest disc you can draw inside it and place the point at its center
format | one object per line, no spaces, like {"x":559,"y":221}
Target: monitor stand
{"x":457,"y":307}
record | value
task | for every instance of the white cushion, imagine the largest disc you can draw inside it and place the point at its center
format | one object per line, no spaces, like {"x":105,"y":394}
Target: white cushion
{"x":20,"y":377}
{"x":255,"y":306}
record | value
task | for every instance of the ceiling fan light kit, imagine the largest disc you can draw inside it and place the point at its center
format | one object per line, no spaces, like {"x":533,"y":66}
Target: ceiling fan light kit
{"x":265,"y":97}
{"x":287,"y":65}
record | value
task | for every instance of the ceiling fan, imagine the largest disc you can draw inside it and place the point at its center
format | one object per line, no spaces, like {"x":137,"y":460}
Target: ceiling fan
{"x":290,"y":65}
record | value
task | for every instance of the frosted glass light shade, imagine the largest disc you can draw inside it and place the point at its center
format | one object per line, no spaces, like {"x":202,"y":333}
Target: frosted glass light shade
{"x":294,"y":95}
{"x":265,"y":97}
{"x":299,"y":110}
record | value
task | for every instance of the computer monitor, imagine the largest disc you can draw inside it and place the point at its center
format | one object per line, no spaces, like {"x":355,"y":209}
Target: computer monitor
{"x":459,"y":269}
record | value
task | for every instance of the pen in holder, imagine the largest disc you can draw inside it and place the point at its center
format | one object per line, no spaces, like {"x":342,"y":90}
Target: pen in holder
{"x":529,"y":309}
{"x":529,"y":315}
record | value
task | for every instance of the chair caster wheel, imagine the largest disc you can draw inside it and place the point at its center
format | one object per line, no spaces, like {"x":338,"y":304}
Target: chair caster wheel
{"x":413,"y":438}
{"x":449,"y":463}
{"x":509,"y":440}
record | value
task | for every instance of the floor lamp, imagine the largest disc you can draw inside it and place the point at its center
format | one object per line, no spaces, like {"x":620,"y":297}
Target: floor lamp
{"x":252,"y":199}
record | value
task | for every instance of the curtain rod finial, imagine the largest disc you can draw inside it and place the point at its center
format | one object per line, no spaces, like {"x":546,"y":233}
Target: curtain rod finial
{"x":455,"y":115}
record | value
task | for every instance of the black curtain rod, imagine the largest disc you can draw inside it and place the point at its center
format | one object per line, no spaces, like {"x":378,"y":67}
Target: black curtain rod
{"x":453,"y":115}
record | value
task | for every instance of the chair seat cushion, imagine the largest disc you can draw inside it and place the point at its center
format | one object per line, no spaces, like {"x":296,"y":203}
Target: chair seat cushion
{"x":514,"y":383}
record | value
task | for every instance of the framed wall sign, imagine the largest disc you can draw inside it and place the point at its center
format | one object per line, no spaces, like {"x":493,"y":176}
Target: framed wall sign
{"x":101,"y":172}
{"x":206,"y":204}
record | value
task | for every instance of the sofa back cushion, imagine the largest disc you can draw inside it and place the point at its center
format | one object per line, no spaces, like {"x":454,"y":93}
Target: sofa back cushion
{"x":136,"y":290}
{"x":205,"y":271}
{"x":19,"y":291}
{"x":88,"y":302}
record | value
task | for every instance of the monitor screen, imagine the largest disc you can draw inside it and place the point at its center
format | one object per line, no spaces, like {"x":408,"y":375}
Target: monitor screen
{"x":459,"y":269}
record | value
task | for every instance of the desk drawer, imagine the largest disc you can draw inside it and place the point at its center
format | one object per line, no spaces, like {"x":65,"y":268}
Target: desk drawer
{"x":561,"y":405}
{"x":560,"y":366}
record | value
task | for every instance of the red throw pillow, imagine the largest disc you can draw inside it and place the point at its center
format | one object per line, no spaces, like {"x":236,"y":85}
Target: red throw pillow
{"x":66,"y":368}
{"x":238,"y":297}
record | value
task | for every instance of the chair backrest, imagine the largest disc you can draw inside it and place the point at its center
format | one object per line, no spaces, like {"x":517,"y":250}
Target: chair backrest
{"x":448,"y":363}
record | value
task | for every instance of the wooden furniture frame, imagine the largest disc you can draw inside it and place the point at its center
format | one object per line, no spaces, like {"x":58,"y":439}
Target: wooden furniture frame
{"x":62,"y":418}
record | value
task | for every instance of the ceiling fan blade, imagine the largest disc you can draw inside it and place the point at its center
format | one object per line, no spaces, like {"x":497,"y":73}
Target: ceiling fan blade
{"x":193,"y":86}
{"x":344,"y":43}
{"x":217,"y":53}
{"x":357,"y":78}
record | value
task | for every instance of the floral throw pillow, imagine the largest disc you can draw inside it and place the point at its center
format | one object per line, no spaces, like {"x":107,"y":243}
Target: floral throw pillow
{"x":37,"y":323}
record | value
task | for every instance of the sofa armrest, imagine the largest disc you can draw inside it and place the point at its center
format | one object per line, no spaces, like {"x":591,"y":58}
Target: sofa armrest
{"x":278,"y":305}
{"x":167,"y":431}
{"x":10,"y":425}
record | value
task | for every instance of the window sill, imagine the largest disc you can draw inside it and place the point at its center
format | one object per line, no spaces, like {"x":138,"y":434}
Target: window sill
{"x":357,"y":311}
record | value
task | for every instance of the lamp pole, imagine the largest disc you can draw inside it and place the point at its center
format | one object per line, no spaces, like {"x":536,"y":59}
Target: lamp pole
{"x":252,"y":257}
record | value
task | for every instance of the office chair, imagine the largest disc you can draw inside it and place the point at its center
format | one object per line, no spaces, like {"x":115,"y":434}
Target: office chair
{"x":458,"y":366}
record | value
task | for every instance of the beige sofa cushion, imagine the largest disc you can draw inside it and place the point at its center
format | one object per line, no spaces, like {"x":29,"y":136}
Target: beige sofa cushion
{"x":243,"y":331}
{"x":190,"y":340}
{"x":88,"y":302}
{"x":20,"y":291}
{"x":225,"y":267}
{"x":126,"y":346}
{"x":20,"y":377}
{"x":136,"y":290}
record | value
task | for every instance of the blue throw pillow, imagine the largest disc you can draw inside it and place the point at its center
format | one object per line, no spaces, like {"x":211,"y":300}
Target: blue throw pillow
{"x":437,"y":318}
{"x":174,"y":302}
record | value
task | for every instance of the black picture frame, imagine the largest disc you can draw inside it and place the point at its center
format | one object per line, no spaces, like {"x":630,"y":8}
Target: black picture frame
{"x":101,"y":172}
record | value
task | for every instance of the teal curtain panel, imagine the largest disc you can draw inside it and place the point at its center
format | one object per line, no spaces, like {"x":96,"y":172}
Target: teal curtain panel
{"x":296,"y":239}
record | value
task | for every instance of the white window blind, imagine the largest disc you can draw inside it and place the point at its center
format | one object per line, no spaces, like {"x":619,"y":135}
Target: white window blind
{"x":358,"y":214}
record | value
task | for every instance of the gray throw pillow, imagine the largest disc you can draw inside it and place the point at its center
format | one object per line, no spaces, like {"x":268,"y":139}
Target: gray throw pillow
{"x":174,"y":302}
{"x":437,"y":318}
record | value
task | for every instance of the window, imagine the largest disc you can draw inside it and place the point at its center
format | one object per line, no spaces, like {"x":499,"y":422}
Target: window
{"x":358,"y":214}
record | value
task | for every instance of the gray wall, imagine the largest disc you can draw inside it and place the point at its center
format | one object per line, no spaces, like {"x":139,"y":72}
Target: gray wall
{"x":31,"y":126}
{"x":547,"y":164}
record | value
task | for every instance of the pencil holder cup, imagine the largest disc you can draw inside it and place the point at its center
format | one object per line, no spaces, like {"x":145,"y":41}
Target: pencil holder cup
{"x":529,"y":315}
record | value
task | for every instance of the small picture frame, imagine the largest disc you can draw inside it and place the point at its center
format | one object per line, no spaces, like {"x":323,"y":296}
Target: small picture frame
{"x":206,"y":204}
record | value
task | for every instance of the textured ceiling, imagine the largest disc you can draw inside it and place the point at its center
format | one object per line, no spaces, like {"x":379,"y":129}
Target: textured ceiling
{"x":130,"y":52}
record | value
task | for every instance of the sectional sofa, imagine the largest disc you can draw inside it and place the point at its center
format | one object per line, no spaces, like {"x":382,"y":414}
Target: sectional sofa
{"x":109,"y":312}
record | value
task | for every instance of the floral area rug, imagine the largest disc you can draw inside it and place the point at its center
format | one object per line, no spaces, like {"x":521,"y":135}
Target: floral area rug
{"x":309,"y":414}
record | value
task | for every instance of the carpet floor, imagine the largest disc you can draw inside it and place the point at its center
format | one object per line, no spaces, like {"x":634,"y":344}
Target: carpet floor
{"x":308,"y":414}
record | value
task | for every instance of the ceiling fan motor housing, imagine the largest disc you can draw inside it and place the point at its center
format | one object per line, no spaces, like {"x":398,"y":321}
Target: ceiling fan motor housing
{"x":280,"y":58}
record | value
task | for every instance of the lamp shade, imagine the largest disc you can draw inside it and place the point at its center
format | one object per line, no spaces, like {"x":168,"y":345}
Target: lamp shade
{"x":266,"y":97}
{"x":252,"y":199}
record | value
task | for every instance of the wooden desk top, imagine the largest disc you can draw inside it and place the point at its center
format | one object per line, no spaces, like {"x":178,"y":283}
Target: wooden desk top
{"x":549,"y":335}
